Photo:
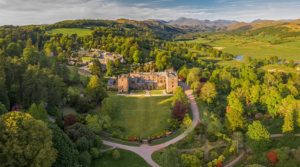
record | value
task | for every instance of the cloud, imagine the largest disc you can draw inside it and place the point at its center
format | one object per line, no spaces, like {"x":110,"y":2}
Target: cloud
{"x":20,"y":12}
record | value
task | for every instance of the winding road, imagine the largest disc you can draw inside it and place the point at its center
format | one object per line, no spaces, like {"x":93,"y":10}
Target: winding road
{"x":145,"y":150}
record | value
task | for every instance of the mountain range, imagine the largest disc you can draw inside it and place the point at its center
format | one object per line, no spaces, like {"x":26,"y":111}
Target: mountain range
{"x":232,"y":25}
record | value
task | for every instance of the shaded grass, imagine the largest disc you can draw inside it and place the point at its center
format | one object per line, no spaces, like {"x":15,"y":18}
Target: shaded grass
{"x":68,"y":110}
{"x":127,"y":159}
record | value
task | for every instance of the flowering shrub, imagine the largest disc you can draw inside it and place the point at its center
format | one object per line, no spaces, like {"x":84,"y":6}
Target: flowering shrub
{"x":272,"y":157}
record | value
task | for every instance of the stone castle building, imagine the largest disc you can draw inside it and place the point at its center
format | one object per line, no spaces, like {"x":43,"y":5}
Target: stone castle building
{"x":147,"y":81}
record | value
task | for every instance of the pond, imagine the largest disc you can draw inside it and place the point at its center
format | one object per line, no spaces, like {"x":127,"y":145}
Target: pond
{"x":239,"y":57}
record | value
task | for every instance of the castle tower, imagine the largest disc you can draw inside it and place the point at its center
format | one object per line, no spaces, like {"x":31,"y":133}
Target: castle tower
{"x":171,"y":82}
{"x":123,"y":84}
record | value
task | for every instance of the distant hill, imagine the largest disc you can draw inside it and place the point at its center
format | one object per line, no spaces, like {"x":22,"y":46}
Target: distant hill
{"x":292,"y":25}
{"x":204,"y":25}
{"x":158,"y":28}
{"x":275,"y":29}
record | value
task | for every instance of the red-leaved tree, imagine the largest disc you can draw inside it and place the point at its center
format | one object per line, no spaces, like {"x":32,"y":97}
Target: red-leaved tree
{"x":272,"y":157}
{"x":69,"y":120}
{"x":179,"y":110}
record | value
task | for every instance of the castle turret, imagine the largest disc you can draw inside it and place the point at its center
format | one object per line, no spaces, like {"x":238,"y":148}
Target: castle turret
{"x":123,"y":84}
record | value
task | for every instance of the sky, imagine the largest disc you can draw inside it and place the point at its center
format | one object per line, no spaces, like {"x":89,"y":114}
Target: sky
{"x":22,"y":12}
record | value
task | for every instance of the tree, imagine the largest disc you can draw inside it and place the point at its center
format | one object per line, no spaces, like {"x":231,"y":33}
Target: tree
{"x":258,"y":136}
{"x":85,"y":159}
{"x":13,"y":49}
{"x":3,"y":93}
{"x":189,"y":160}
{"x":288,"y":123}
{"x":78,"y":130}
{"x":41,"y":85}
{"x":193,"y":76}
{"x":116,"y":154}
{"x":162,"y":60}
{"x":69,"y":120}
{"x":187,"y":121}
{"x":213,"y":123}
{"x":271,"y":99}
{"x":183,"y":73}
{"x":38,"y":112}
{"x":31,"y":55}
{"x":208,"y":92}
{"x":272,"y":157}
{"x":257,"y":132}
{"x":25,"y":141}
{"x":95,"y":153}
{"x":170,"y":157}
{"x":180,"y":96}
{"x":288,"y":108}
{"x":95,"y":89}
{"x":137,"y":56}
{"x":83,"y":144}
{"x":3,"y":109}
{"x":179,"y":111}
{"x":67,"y":154}
{"x":98,"y":122}
{"x":234,"y":112}
{"x":109,"y":68}
{"x":196,"y":86}
{"x":96,"y":68}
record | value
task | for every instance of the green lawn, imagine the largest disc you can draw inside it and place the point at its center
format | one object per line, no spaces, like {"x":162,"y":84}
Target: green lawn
{"x":139,"y":92}
{"x":143,"y":116}
{"x":156,"y":92}
{"x":86,"y":59}
{"x":253,"y":46}
{"x":69,"y":31}
{"x":127,"y":159}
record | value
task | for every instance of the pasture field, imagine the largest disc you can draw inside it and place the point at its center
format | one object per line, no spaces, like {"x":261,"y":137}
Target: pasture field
{"x":69,"y":31}
{"x":255,"y":47}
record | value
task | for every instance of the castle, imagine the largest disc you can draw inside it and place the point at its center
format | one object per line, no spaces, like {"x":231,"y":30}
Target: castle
{"x":145,"y":81}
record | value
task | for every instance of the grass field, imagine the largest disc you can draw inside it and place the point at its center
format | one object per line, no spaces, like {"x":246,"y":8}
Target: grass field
{"x":254,"y":47}
{"x":156,"y":92}
{"x":138,"y":92}
{"x":69,"y":31}
{"x":143,"y":116}
{"x":281,"y":68}
{"x":127,"y":159}
{"x":86,"y":59}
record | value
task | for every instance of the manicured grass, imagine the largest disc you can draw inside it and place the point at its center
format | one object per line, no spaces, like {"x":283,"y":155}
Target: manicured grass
{"x":156,"y":92}
{"x":139,"y":92}
{"x":86,"y":59}
{"x":143,"y":116}
{"x":127,"y":159}
{"x":69,"y":31}
{"x":254,"y":46}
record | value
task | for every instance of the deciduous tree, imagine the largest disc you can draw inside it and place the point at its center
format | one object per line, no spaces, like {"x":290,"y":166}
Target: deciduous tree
{"x":25,"y":141}
{"x":208,"y":92}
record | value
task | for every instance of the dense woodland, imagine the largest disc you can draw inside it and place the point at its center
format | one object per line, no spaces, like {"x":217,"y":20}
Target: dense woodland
{"x":36,"y":81}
